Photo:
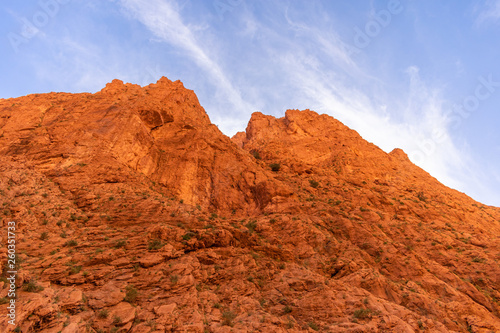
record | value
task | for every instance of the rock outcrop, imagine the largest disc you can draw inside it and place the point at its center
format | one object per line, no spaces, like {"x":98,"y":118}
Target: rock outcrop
{"x":125,"y":132}
{"x":134,"y":213}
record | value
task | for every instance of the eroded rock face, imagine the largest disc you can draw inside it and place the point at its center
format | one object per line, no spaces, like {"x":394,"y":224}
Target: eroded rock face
{"x":108,"y":295}
{"x":135,"y":214}
{"x":124,"y":132}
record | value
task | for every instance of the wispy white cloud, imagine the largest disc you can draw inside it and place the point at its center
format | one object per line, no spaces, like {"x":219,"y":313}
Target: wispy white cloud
{"x":491,"y":12}
{"x":164,"y":21}
{"x":423,"y":117}
{"x":329,"y":42}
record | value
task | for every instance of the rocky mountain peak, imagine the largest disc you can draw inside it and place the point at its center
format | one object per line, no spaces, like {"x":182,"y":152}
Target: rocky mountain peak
{"x":134,"y":213}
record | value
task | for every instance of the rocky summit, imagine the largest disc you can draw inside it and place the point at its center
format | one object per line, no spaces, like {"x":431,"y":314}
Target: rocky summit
{"x":132,"y":212}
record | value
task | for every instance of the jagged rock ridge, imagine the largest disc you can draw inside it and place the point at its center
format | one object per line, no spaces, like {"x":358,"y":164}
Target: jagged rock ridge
{"x":136,"y":214}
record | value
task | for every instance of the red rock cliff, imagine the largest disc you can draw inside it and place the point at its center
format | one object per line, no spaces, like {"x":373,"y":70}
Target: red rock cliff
{"x":135,"y":214}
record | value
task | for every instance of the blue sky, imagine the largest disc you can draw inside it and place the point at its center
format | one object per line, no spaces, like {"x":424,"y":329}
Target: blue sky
{"x":420,"y":75}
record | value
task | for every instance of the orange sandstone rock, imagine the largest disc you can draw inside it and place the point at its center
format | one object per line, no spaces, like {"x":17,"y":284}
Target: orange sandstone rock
{"x":135,"y":214}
